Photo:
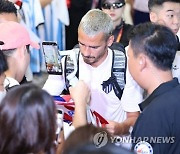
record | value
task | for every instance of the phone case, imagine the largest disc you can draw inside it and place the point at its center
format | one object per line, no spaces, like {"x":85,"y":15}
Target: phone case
{"x":52,"y":58}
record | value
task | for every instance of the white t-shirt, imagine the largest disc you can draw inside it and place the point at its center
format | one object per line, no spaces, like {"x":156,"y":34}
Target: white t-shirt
{"x":176,"y":63}
{"x":132,"y":94}
{"x":176,"y":66}
{"x":107,"y":105}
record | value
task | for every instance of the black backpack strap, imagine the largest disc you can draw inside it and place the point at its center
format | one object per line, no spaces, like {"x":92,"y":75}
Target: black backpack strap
{"x":116,"y":81}
{"x":65,"y":71}
{"x":65,"y":91}
{"x":69,"y":68}
{"x":118,"y":71}
{"x":118,"y":91}
{"x":120,"y":61}
{"x":77,"y":73}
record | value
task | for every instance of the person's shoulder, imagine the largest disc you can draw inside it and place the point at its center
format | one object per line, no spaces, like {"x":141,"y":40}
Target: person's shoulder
{"x":166,"y":101}
{"x":128,"y":26}
{"x":10,"y":82}
{"x":174,"y":94}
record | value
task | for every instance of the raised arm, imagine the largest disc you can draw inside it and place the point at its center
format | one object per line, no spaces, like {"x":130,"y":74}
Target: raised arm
{"x":81,"y":96}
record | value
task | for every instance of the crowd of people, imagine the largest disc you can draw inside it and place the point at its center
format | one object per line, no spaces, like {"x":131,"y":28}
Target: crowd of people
{"x":128,"y":74}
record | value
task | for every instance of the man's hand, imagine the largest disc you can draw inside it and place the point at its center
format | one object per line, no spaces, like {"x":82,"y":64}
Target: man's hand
{"x":116,"y":128}
{"x":80,"y":93}
{"x":81,"y":96}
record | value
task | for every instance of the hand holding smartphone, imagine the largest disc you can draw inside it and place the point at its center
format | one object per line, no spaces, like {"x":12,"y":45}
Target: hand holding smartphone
{"x":52,"y":58}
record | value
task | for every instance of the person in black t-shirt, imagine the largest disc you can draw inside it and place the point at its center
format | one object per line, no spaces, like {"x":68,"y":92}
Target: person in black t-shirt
{"x":151,"y":53}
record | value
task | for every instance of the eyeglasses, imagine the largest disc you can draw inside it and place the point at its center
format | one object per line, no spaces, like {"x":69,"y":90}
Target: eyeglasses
{"x":113,"y":5}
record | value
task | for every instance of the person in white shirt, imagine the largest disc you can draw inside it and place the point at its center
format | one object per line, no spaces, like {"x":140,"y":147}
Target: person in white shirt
{"x":95,"y":63}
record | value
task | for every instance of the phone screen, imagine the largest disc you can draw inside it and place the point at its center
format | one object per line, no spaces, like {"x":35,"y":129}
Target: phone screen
{"x":52,"y":58}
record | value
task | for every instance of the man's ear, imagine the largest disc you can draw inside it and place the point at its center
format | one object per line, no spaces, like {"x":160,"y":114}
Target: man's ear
{"x":142,"y":62}
{"x":153,"y":17}
{"x":110,"y":40}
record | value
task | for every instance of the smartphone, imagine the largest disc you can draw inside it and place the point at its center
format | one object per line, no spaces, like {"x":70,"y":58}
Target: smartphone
{"x":59,"y":121}
{"x":52,"y":57}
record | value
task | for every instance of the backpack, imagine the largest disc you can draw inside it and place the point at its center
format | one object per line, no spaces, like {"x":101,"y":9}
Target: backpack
{"x":118,"y":72}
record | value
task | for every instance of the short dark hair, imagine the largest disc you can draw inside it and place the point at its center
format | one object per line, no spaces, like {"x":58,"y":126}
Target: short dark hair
{"x":156,"y":41}
{"x":7,"y":7}
{"x":152,"y":3}
{"x":90,"y":148}
{"x":83,"y":135}
{"x":27,"y":121}
{"x":3,"y":63}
